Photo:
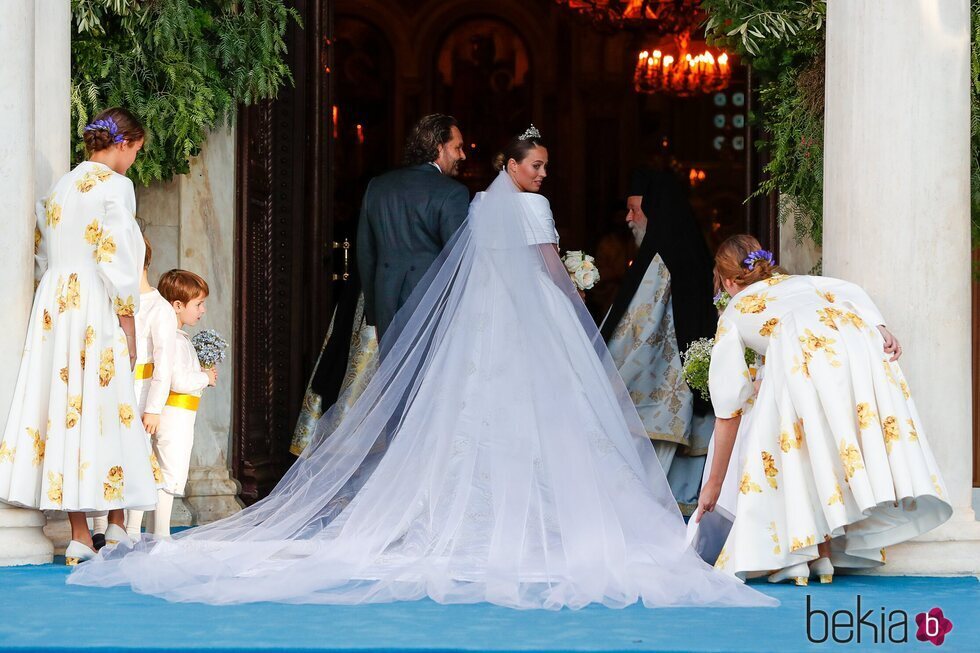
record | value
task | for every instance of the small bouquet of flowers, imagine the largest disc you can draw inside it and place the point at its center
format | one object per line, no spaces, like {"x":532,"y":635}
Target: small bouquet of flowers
{"x":721,"y":300}
{"x":581,"y":268}
{"x":210,"y":348}
{"x":696,"y":362}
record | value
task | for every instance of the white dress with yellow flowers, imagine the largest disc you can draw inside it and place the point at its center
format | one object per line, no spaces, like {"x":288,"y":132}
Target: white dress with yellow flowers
{"x":73,"y":440}
{"x":833,"y":448}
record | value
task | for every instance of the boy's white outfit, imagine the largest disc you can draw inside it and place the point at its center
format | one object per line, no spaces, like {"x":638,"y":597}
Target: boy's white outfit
{"x":156,"y":338}
{"x":175,"y":437}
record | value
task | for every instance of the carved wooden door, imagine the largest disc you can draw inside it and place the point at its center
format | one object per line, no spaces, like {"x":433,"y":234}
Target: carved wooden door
{"x":284,"y":285}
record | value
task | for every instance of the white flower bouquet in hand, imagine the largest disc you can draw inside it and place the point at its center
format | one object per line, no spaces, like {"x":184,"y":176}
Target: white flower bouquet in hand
{"x":697,"y":362}
{"x":210,"y":348}
{"x":581,"y":268}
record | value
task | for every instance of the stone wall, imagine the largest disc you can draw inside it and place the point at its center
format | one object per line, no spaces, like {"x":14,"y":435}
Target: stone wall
{"x":190,"y":223}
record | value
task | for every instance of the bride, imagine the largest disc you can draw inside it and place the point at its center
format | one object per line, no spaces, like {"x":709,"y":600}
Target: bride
{"x":494,"y":456}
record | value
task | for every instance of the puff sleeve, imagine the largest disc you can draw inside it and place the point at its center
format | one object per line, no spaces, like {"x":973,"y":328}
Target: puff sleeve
{"x":728,"y":377}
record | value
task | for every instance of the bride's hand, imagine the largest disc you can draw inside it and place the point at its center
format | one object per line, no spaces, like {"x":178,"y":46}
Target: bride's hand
{"x":708,"y":499}
{"x":892,"y":346}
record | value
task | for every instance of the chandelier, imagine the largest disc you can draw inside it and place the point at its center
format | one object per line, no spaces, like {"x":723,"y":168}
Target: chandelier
{"x":661,"y":16}
{"x":680,"y":73}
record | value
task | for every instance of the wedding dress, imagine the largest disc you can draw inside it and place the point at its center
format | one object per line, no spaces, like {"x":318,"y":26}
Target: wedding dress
{"x":495,"y":456}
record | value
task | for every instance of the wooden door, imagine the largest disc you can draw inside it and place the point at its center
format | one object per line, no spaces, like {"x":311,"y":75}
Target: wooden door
{"x":284,"y":288}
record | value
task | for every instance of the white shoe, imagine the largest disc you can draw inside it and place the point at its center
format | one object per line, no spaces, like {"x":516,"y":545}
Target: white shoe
{"x":78,"y":552}
{"x":117,"y":535}
{"x":798,"y":573}
{"x":823,"y":569}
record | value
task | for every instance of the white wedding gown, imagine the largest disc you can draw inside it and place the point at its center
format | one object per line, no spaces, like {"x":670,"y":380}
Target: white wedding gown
{"x":494,"y":456}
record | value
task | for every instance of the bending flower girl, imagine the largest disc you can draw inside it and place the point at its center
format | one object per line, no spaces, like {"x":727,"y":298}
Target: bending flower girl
{"x":833,"y":461}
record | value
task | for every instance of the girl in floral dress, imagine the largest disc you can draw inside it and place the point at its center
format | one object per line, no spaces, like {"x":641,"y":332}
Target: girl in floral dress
{"x":73,"y":440}
{"x":834,"y":464}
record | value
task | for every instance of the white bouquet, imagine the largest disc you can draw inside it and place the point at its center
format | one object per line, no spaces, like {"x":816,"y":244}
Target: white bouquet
{"x":697,"y":363}
{"x":581,"y":268}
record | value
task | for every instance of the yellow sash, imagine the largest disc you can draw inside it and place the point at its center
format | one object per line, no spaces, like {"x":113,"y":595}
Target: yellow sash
{"x":187,"y":402}
{"x":143,"y":371}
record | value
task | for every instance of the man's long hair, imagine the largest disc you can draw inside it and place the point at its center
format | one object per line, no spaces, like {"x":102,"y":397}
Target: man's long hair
{"x":427,"y":135}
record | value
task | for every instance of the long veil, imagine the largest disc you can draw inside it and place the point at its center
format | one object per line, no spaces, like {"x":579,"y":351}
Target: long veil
{"x":495,"y":455}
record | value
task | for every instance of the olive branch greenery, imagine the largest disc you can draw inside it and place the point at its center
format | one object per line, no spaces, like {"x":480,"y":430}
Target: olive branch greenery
{"x":182,"y":66}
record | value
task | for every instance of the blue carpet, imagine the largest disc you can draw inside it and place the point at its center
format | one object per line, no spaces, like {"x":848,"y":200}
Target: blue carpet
{"x":39,"y":612}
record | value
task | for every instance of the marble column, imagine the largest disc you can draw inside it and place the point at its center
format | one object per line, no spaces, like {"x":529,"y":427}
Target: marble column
{"x":52,"y":139}
{"x":897,"y":212}
{"x":796,"y":255}
{"x":21,"y":538}
{"x":190,"y":221}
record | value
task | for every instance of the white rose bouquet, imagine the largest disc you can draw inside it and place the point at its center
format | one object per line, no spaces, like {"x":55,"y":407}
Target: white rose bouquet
{"x":581,"y":268}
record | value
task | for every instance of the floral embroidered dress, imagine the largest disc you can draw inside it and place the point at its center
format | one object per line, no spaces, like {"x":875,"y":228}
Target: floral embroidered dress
{"x":833,"y":447}
{"x":73,"y":440}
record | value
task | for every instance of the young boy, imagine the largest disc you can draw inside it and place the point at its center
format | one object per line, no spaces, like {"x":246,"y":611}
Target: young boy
{"x":186,"y":292}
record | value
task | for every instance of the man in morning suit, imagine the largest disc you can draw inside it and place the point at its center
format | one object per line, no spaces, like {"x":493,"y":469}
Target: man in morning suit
{"x":407,"y":217}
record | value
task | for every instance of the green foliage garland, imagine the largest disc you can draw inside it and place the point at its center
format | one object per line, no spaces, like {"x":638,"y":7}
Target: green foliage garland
{"x":182,"y":66}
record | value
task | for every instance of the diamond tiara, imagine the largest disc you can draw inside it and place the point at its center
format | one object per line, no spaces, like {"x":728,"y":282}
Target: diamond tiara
{"x":530,"y":134}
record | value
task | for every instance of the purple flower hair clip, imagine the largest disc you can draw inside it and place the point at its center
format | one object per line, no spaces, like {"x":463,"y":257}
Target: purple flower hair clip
{"x":759,"y":255}
{"x":109,"y":125}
